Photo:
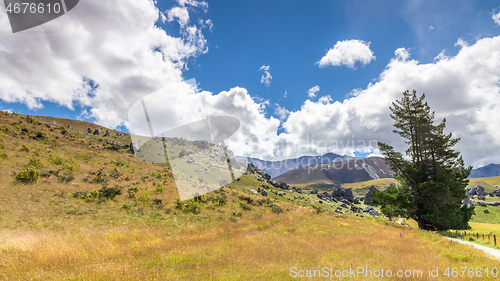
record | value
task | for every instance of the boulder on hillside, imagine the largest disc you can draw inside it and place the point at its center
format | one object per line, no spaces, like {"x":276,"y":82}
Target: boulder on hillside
{"x":347,"y":194}
{"x":369,"y":196}
{"x":468,"y":202}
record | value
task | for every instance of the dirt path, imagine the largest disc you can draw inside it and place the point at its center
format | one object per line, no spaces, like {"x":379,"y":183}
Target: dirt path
{"x":490,"y":251}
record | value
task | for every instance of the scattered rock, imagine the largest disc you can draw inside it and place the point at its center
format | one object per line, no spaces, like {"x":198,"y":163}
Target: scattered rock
{"x":468,"y":202}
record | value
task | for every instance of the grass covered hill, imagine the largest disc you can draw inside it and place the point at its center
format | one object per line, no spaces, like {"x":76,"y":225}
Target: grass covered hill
{"x":79,"y":206}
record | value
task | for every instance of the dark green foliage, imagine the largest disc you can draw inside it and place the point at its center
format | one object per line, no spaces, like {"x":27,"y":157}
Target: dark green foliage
{"x":219,"y":200}
{"x":27,"y":176}
{"x":433,"y":181}
{"x":109,"y":192}
{"x":188,"y":206}
{"x":99,"y":176}
{"x":245,"y":207}
{"x":245,"y":198}
{"x":276,"y":209}
{"x":65,"y":177}
{"x":80,"y":194}
{"x":261,"y":202}
{"x":39,"y":136}
{"x":114,"y":173}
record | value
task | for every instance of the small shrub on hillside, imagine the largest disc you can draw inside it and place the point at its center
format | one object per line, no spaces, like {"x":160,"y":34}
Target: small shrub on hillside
{"x":25,"y":148}
{"x":245,"y":207}
{"x":188,"y":206}
{"x":56,"y":160}
{"x":157,"y":175}
{"x":92,"y":194}
{"x":109,"y":192}
{"x":120,"y":163}
{"x":245,"y":198}
{"x":158,"y":202}
{"x":276,"y":209}
{"x":115,"y":174}
{"x":261,"y":202}
{"x":99,"y":176}
{"x":66,"y":177}
{"x":4,"y":155}
{"x":80,"y":194}
{"x":132,"y":192}
{"x":218,"y":200}
{"x":27,"y":176}
{"x":35,"y":162}
{"x":159,"y":188}
{"x":39,"y":136}
{"x":318,"y":209}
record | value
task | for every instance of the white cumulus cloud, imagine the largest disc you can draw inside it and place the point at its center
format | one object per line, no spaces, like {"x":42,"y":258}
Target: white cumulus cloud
{"x":348,"y":53}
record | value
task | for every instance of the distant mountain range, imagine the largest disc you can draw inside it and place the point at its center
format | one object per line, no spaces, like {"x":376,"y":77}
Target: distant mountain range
{"x":361,"y":169}
{"x":314,"y":169}
{"x":276,"y":168}
{"x":491,"y":170}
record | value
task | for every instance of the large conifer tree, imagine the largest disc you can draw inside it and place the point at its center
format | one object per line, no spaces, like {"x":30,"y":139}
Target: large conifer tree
{"x":432,"y":178}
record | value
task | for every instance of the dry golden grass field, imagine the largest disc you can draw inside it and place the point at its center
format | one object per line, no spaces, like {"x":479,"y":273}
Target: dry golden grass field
{"x":97,"y":213}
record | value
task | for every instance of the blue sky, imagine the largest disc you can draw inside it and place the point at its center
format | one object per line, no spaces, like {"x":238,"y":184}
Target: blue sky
{"x":377,"y":49}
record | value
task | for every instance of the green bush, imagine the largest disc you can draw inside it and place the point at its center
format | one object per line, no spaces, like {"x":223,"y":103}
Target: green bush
{"x":245,"y":207}
{"x":25,"y":148}
{"x":100,"y":176}
{"x":28,"y":175}
{"x":114,"y":173}
{"x":188,"y":206}
{"x":276,"y":209}
{"x":35,"y":162}
{"x":66,"y":177}
{"x":159,"y":188}
{"x":56,"y":160}
{"x":109,"y":192}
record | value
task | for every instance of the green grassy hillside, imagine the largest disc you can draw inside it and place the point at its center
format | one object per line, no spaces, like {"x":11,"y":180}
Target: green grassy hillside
{"x":74,"y":207}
